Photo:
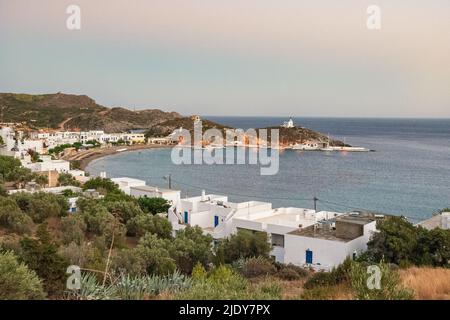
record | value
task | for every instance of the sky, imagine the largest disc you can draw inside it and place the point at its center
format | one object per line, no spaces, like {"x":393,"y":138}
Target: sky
{"x":234,"y":57}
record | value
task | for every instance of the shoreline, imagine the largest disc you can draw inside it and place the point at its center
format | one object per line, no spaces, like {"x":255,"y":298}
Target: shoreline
{"x":86,"y":157}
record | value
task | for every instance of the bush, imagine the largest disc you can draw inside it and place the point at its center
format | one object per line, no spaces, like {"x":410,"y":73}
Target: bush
{"x":290,"y":272}
{"x":12,"y":218}
{"x":17,"y":281}
{"x":129,"y":262}
{"x":40,"y":206}
{"x":153,"y":205}
{"x":319,"y":279}
{"x":257,"y":267}
{"x":244,"y":244}
{"x":390,"y":286}
{"x":45,"y":261}
{"x":336,"y":276}
{"x":154,"y":252}
{"x":146,"y":223}
{"x":66,"y":179}
{"x":73,"y":229}
{"x":124,"y":210}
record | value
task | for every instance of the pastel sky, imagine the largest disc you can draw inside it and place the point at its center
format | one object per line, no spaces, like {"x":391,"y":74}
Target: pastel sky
{"x":234,"y":57}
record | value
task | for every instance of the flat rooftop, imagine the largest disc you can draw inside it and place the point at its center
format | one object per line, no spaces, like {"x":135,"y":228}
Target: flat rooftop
{"x":325,"y":230}
{"x":126,"y":179}
{"x":153,"y":189}
{"x":432,"y":223}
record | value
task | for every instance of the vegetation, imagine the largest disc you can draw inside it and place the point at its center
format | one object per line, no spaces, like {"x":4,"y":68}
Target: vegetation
{"x":128,"y":251}
{"x":76,"y":111}
{"x":153,"y":205}
{"x":66,"y":179}
{"x":11,"y":170}
{"x":243,"y":244}
{"x":17,"y":281}
{"x":399,"y":242}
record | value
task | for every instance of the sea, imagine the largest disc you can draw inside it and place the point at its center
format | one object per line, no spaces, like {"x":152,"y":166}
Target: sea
{"x":408,"y":173}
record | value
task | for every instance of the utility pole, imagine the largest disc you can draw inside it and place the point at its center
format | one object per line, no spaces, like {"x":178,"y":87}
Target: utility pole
{"x":169,"y":180}
{"x":315,"y":203}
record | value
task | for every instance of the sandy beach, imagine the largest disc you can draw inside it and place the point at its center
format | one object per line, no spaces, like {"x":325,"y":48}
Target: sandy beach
{"x":86,"y":156}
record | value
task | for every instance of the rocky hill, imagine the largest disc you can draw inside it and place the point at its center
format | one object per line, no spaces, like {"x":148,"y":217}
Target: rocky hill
{"x":67,"y":111}
{"x":290,"y":136}
{"x":80,"y":112}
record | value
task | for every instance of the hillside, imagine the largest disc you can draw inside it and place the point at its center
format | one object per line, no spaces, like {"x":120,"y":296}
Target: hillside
{"x":289,"y":136}
{"x":80,"y":112}
{"x":75,"y":112}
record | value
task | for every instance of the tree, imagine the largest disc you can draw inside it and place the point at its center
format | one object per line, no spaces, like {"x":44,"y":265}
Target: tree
{"x":400,"y":242}
{"x":433,"y":247}
{"x":41,"y":180}
{"x":244,"y":244}
{"x":66,"y":179}
{"x":190,"y":247}
{"x":395,"y":242}
{"x":17,"y":281}
{"x":153,"y":251}
{"x":154,"y":205}
{"x":7,"y":166}
{"x":102,"y":184}
{"x":73,"y":229}
{"x":40,"y":206}
{"x":42,"y":257}
{"x":146,"y":223}
{"x":124,"y":210}
{"x":12,"y":218}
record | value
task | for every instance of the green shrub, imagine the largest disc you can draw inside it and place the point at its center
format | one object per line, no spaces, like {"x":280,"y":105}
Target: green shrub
{"x":154,"y":205}
{"x":291,"y":272}
{"x":146,"y":223}
{"x":17,"y":281}
{"x":12,"y":218}
{"x":257,"y":267}
{"x":317,"y":293}
{"x":390,"y":285}
{"x":244,"y":244}
{"x":73,"y":229}
{"x":40,"y":206}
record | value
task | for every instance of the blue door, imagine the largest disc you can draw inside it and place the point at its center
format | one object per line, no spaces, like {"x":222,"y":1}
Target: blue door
{"x":216,"y":221}
{"x":309,"y":256}
{"x":186,"y":217}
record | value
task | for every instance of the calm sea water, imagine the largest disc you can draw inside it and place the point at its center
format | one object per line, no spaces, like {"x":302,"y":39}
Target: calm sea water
{"x":409,"y":174}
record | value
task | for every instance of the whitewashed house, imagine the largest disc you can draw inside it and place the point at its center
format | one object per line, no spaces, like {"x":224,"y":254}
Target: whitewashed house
{"x":47,"y":164}
{"x":172,"y":196}
{"x":126,"y":183}
{"x":278,"y":222}
{"x":327,"y":244}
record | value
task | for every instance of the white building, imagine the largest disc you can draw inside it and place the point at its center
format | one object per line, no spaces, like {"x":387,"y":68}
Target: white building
{"x":288,"y":124}
{"x":327,"y":244}
{"x":221,"y":218}
{"x":278,"y":222}
{"x":61,"y":166}
{"x":126,"y":183}
{"x":438,"y":221}
{"x":172,"y":196}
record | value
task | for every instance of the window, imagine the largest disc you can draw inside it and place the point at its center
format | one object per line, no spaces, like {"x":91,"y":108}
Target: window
{"x":277,"y":240}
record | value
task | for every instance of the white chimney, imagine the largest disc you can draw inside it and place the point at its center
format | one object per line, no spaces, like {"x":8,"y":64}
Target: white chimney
{"x":103,"y":174}
{"x":203,"y":195}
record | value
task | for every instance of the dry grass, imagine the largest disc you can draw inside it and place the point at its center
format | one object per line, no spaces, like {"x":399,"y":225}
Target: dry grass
{"x":427,"y":283}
